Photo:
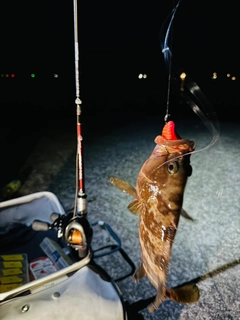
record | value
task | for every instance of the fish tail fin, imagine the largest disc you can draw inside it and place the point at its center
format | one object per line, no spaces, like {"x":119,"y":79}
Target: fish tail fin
{"x":185,"y":294}
{"x":139,"y":274}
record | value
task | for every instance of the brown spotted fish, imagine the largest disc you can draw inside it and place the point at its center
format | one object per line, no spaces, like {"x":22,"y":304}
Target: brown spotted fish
{"x":158,"y":200}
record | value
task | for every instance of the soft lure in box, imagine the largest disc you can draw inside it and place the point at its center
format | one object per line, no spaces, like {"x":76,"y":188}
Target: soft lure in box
{"x":13,"y":271}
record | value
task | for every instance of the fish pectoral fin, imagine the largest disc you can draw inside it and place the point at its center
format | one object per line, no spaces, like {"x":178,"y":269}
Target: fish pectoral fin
{"x":185,"y":215}
{"x":135,"y":207}
{"x":124,"y":186}
{"x":186,"y":294}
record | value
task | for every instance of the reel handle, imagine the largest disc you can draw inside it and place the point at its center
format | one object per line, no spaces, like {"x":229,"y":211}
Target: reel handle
{"x":39,"y":225}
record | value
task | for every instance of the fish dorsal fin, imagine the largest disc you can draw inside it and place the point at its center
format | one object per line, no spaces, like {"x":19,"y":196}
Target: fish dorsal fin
{"x":135,"y":207}
{"x":185,"y":215}
{"x":124,"y":186}
{"x":186,"y":294}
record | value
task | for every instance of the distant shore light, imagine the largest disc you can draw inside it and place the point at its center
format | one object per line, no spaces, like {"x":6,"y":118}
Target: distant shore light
{"x":214,"y":76}
{"x":142,"y":76}
{"x":183,"y":75}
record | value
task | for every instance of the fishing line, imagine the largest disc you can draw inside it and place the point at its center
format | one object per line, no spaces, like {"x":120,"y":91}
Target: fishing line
{"x":201,"y":106}
{"x":208,"y":116}
{"x":168,"y":56}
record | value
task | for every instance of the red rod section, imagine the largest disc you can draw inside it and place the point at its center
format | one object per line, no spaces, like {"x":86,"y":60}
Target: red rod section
{"x":80,"y":158}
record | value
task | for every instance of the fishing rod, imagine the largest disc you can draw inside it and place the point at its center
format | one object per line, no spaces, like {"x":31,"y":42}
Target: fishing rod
{"x":74,"y":226}
{"x":80,"y":206}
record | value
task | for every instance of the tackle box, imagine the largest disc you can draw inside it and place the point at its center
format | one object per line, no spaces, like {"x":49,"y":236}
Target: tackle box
{"x":82,"y":289}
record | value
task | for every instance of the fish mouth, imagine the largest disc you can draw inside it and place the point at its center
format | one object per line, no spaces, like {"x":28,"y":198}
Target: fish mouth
{"x":159,"y":140}
{"x":172,"y":146}
{"x":171,"y":138}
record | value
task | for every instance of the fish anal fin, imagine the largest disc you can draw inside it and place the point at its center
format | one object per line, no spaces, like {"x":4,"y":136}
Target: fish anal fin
{"x":124,"y":186}
{"x":135,"y":207}
{"x":186,"y":294}
{"x":186,"y":215}
{"x":139,"y":274}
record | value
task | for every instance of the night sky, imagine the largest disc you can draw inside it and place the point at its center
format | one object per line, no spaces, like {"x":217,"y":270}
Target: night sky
{"x":118,"y":40}
{"x":43,"y":30}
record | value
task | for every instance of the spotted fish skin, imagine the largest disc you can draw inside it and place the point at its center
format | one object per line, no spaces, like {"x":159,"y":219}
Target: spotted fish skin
{"x":160,"y":189}
{"x":158,"y":201}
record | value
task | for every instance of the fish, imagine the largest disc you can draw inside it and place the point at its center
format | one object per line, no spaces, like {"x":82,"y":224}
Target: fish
{"x":158,"y":200}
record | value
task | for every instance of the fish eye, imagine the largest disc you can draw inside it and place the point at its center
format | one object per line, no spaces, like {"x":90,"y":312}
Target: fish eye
{"x":173,"y":167}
